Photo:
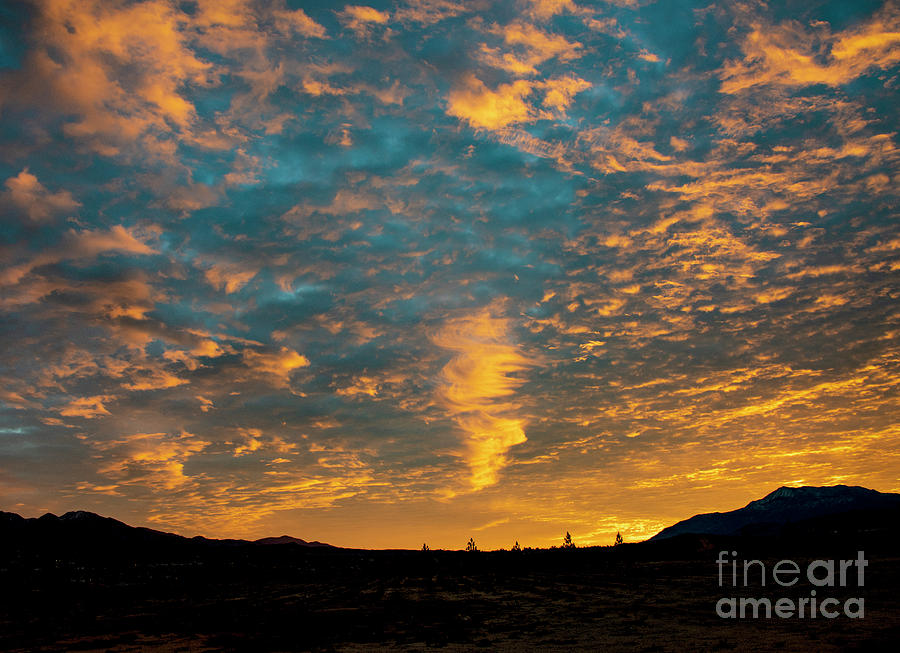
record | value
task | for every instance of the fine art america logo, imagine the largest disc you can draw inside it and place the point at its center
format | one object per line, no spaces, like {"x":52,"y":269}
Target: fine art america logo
{"x":786,"y":573}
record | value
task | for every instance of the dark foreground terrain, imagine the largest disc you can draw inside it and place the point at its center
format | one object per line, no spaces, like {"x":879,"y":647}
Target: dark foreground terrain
{"x":63,"y":590}
{"x":356,"y":600}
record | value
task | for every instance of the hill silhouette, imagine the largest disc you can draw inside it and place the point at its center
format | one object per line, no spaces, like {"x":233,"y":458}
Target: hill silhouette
{"x":786,"y":506}
{"x":80,"y":532}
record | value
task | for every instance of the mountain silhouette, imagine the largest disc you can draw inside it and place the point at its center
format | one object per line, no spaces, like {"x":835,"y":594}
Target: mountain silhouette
{"x":287,"y":539}
{"x":81,"y":531}
{"x":785,"y":506}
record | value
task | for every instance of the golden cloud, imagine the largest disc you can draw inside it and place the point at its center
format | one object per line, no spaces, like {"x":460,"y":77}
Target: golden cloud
{"x":39,"y":204}
{"x":508,"y":105}
{"x":476,"y":387}
{"x":786,"y":54}
{"x":481,"y":107}
{"x":276,"y":367}
{"x":154,"y":460}
{"x":87,"y":407}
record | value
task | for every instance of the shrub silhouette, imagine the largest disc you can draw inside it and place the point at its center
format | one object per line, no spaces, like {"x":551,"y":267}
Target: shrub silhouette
{"x":619,"y":539}
{"x":471,"y":545}
{"x":567,"y":541}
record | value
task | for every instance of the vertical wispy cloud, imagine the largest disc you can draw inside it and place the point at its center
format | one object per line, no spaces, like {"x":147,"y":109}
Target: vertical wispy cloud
{"x":477,"y":389}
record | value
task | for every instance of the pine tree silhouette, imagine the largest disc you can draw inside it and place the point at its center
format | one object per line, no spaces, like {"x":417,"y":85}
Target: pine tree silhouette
{"x":567,"y":542}
{"x":619,"y":539}
{"x":471,"y":545}
{"x":516,"y":546}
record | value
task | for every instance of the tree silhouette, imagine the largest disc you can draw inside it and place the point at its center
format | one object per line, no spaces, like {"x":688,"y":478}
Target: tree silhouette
{"x":567,"y":542}
{"x":516,"y":546}
{"x":471,"y":545}
{"x":619,"y":539}
{"x":425,"y":547}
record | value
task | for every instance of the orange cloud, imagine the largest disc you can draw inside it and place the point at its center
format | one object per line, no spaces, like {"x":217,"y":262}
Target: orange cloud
{"x":154,"y":460}
{"x":251,"y":443}
{"x":32,"y":198}
{"x":83,"y":50}
{"x":154,"y":379}
{"x":539,"y":44}
{"x":360,"y":19}
{"x":253,"y":440}
{"x":531,"y":47}
{"x":80,"y":245}
{"x":229,"y":277}
{"x":548,"y":8}
{"x":773,"y":295}
{"x":482,"y":107}
{"x":646,"y":55}
{"x":298,"y":21}
{"x":365,"y":14}
{"x":362,"y":385}
{"x":276,"y":367}
{"x":679,"y":144}
{"x":785,"y":54}
{"x":429,"y":12}
{"x":562,"y":90}
{"x":87,"y":407}
{"x":87,"y":244}
{"x":476,"y":387}
{"x":496,"y":109}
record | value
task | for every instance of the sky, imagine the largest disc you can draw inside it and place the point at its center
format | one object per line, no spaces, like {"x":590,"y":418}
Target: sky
{"x":425,"y":270}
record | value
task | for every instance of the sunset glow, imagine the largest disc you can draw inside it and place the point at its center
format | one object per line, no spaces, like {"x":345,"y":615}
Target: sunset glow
{"x":426,"y":270}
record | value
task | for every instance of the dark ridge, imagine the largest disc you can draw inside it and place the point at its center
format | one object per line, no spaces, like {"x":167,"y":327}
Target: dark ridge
{"x":772,"y":514}
{"x":282,"y":539}
{"x":81,"y":533}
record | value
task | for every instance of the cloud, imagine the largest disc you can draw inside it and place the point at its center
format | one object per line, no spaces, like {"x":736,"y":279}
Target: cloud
{"x":509,"y":104}
{"x":429,"y":12}
{"x":275,"y":367}
{"x":525,"y":48}
{"x":544,"y":9}
{"x":152,"y":460}
{"x":476,"y":389}
{"x":561,"y":91}
{"x":251,"y":443}
{"x":205,"y":348}
{"x":360,"y":19}
{"x":230,"y":277}
{"x":118,"y":69}
{"x":539,"y":45}
{"x":154,"y":379}
{"x":773,"y":295}
{"x":253,"y":440}
{"x":85,"y":244}
{"x":481,"y":107}
{"x":298,"y":21}
{"x":362,"y":385}
{"x":87,"y":407}
{"x":34,"y":200}
{"x":786,"y":54}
